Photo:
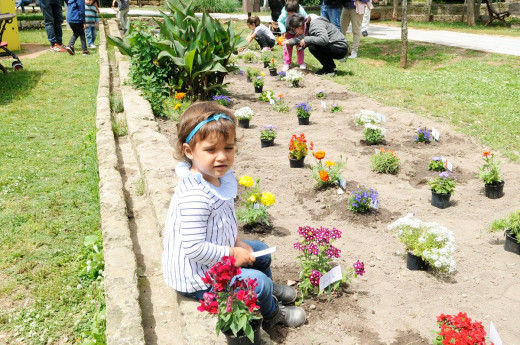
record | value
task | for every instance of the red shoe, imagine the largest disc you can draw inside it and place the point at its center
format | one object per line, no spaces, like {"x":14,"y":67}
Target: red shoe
{"x":58,"y":48}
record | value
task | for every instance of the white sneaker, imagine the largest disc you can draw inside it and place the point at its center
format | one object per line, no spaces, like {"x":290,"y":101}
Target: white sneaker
{"x":93,"y":46}
{"x":265,"y":49}
{"x":285,"y":68}
{"x":353,"y":55}
{"x":303,"y":66}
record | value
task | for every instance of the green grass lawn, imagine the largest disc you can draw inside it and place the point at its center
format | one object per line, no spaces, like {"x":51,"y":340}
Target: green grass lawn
{"x":48,"y":196}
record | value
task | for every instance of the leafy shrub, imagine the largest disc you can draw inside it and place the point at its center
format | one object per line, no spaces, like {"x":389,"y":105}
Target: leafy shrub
{"x":224,"y":6}
{"x":373,"y":134}
{"x":385,"y":162}
{"x":436,"y":164}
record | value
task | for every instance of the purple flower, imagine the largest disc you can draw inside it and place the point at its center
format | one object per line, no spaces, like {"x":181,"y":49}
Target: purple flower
{"x":359,"y":267}
{"x":424,"y":135}
{"x":436,"y":159}
{"x":240,"y":72}
{"x":445,"y":175}
{"x":223,"y":100}
{"x":315,"y":277}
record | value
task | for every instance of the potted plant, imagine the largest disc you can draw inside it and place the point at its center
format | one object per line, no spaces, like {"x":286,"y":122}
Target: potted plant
{"x":511,"y":227}
{"x":293,"y":77}
{"x":278,"y":104}
{"x":298,"y":150}
{"x":326,"y":173}
{"x":427,"y":244}
{"x":436,"y":164}
{"x":423,"y":135}
{"x":321,"y":94}
{"x":363,"y":200}
{"x":491,"y":175}
{"x":255,"y":203}
{"x":373,"y":134}
{"x":442,"y":187}
{"x":252,"y":73}
{"x":272,"y":67}
{"x":385,"y":162}
{"x":222,"y":100}
{"x":267,"y":135}
{"x":303,"y":112}
{"x":258,"y":83}
{"x":244,"y":115}
{"x":234,"y":304}
{"x":458,"y":329}
{"x":266,"y":58}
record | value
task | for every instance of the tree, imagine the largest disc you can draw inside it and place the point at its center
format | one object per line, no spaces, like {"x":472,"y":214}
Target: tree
{"x":404,"y":36}
{"x":395,"y":4}
{"x":470,"y":5}
{"x":427,"y":10}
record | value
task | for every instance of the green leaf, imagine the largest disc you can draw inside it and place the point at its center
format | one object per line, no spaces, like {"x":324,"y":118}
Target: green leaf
{"x":248,"y":330}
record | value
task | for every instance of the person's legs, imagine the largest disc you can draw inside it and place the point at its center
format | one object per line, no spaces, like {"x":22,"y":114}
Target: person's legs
{"x":76,"y":32}
{"x":324,"y":55}
{"x":334,"y":15}
{"x":94,"y":34}
{"x":300,"y":54}
{"x":262,"y":263}
{"x":264,"y":289}
{"x":344,"y":21}
{"x":57,"y":13}
{"x":88,"y":34}
{"x":365,"y":22}
{"x":48,"y":19}
{"x":123,"y":19}
{"x":261,"y":39}
{"x":356,"y":19}
{"x":83,"y":40}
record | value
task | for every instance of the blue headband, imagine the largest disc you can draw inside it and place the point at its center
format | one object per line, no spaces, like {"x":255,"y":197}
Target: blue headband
{"x":214,"y":117}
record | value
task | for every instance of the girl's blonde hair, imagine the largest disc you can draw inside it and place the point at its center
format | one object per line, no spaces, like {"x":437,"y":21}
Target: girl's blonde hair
{"x":196,"y":113}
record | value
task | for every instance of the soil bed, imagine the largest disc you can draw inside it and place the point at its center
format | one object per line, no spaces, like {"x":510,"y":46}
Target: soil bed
{"x":390,"y":304}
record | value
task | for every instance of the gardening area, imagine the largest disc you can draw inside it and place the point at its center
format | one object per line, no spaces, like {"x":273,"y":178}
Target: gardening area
{"x":379,"y":141}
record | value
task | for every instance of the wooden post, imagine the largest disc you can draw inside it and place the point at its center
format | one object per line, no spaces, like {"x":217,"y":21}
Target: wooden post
{"x":471,"y":12}
{"x":404,"y":36}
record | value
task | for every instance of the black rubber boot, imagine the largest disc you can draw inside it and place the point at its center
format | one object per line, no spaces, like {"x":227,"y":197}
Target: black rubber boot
{"x":288,"y":316}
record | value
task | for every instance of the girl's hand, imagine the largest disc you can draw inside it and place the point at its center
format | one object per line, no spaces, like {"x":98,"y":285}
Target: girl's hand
{"x":241,"y":49}
{"x":242,"y":256}
{"x":302,"y":43}
{"x":286,"y":42}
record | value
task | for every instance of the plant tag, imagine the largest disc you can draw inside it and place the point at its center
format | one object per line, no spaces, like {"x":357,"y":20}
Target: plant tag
{"x":376,"y":151}
{"x":271,"y":101}
{"x":256,"y":206}
{"x":493,"y":335}
{"x":342,"y":183}
{"x":323,"y":105}
{"x":340,"y":191}
{"x":374,"y":204}
{"x":380,"y":118}
{"x":436,"y":135}
{"x":330,"y":277}
{"x":264,"y":252}
{"x":449,"y":166}
{"x":443,"y":159}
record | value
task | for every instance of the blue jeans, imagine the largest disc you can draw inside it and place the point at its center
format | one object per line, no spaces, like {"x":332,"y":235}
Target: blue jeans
{"x":261,"y":270}
{"x":91,"y":33}
{"x":332,"y":14}
{"x":22,"y":3}
{"x":52,"y":17}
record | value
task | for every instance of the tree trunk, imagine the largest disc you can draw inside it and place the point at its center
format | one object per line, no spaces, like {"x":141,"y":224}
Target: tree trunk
{"x":404,"y":36}
{"x":427,"y":10}
{"x":477,"y":10}
{"x":395,"y":4}
{"x":471,"y":12}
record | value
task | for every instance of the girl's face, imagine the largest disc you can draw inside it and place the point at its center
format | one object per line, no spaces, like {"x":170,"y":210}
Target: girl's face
{"x":89,"y":2}
{"x":251,"y":26}
{"x":212,"y":157}
{"x":299,"y":30}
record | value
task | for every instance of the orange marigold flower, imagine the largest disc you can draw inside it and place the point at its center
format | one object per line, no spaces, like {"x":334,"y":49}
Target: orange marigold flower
{"x":180,"y":95}
{"x":319,"y":155}
{"x":324,"y":176}
{"x":280,"y":96}
{"x":272,"y":60}
{"x":486,"y":153}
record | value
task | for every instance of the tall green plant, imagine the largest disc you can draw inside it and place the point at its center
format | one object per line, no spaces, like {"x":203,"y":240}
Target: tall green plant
{"x":200,"y":48}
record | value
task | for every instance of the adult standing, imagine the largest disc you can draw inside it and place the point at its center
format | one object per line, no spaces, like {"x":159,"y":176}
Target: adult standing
{"x":53,"y":18}
{"x":352,"y":13}
{"x":366,"y":20}
{"x":331,"y":9}
{"x":122,"y":9}
{"x":323,"y":39}
{"x":250,"y":6}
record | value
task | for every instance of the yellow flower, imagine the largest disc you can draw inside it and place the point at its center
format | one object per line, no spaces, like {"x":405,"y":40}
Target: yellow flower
{"x":262,"y":74}
{"x":246,"y":181}
{"x":329,"y":163}
{"x":268,"y":199}
{"x":252,"y":198}
{"x":177,"y":106}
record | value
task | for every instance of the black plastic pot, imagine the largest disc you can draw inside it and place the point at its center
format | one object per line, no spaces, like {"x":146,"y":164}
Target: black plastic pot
{"x":303,"y":121}
{"x":495,"y":190}
{"x":242,"y":339}
{"x":511,"y":244}
{"x":266,"y":143}
{"x":297,"y":163}
{"x":272,"y":72}
{"x":266,"y":64}
{"x":249,"y":79}
{"x":415,"y":263}
{"x":244,"y":123}
{"x":258,"y":89}
{"x":440,"y":200}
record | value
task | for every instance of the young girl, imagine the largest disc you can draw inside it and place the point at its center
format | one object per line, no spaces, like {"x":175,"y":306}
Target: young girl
{"x":291,"y":7}
{"x":201,"y":225}
{"x":260,"y":33}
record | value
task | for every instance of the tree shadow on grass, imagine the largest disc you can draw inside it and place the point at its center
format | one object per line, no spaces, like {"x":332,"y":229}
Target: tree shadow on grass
{"x":14,"y":85}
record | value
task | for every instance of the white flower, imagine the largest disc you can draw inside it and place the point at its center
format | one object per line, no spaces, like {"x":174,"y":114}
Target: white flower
{"x":244,"y":113}
{"x":293,"y":75}
{"x":375,"y":128}
{"x":369,"y":116}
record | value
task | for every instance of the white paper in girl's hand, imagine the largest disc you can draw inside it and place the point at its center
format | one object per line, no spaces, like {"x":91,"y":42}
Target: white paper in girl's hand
{"x":264,"y":252}
{"x":330,"y":277}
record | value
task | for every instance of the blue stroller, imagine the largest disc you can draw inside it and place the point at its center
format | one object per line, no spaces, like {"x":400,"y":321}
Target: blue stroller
{"x":7,"y":18}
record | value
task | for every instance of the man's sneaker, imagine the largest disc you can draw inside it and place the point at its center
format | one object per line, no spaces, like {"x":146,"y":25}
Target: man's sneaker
{"x":285,"y":68}
{"x":289,"y":316}
{"x":92,"y":46}
{"x":303,"y":66}
{"x":353,"y":55}
{"x":327,"y":73}
{"x":70,"y":50}
{"x":364,"y":33}
{"x":86,"y":52}
{"x":284,"y":293}
{"x":58,"y":48}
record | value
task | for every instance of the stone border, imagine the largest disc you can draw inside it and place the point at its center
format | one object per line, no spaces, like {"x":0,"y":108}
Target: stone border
{"x":123,"y":313}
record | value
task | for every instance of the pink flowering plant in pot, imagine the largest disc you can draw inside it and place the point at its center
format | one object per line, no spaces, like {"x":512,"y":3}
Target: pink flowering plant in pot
{"x":316,"y":258}
{"x":234,"y":304}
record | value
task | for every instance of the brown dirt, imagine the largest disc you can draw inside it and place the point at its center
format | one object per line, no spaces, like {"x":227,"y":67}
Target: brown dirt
{"x":29,"y":51}
{"x":390,"y":304}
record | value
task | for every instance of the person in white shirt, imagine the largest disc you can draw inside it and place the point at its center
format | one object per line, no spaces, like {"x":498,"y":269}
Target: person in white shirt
{"x":201,"y":225}
{"x":260,"y":33}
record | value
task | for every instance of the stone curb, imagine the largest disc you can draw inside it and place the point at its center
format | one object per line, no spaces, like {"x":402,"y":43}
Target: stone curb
{"x":123,"y":314}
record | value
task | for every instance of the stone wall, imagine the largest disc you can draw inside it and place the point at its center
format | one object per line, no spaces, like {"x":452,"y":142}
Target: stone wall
{"x":147,"y":2}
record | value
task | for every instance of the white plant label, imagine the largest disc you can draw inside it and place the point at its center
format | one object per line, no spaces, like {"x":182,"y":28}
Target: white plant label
{"x":330,"y":277}
{"x":340,"y":191}
{"x":256,"y":206}
{"x":264,"y":252}
{"x":342,"y":183}
{"x":374,"y":204}
{"x":449,"y":166}
{"x":323,"y":105}
{"x":376,"y":151}
{"x":493,"y":335}
{"x":271,"y":101}
{"x":436,"y":135}
{"x":380,"y":118}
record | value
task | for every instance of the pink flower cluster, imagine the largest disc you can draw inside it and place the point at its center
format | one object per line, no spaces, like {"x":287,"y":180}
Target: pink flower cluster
{"x":315,"y":277}
{"x":359,"y":267}
{"x":316,"y":238}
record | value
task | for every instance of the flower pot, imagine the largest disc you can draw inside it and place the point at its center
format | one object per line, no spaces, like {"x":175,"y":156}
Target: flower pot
{"x":495,"y":190}
{"x":258,"y":89}
{"x":511,"y":244}
{"x":296,"y":83}
{"x":266,"y":142}
{"x":272,"y":72}
{"x":415,"y":263}
{"x":266,"y":64}
{"x":242,"y":339}
{"x":440,"y":200}
{"x":297,"y":163}
{"x":249,"y":79}
{"x":303,"y":120}
{"x":244,"y":123}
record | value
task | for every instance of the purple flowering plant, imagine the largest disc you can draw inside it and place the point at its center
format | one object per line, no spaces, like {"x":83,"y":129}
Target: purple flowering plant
{"x":268,"y":132}
{"x":444,"y":183}
{"x":436,"y":164}
{"x":363,"y":200}
{"x":423,"y":135}
{"x":316,"y":258}
{"x":222,"y":100}
{"x":281,"y":75}
{"x":303,"y":109}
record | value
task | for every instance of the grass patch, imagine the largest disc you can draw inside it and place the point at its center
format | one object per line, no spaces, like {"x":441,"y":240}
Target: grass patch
{"x":119,"y":126}
{"x":48,"y":196}
{"x":140,"y":187}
